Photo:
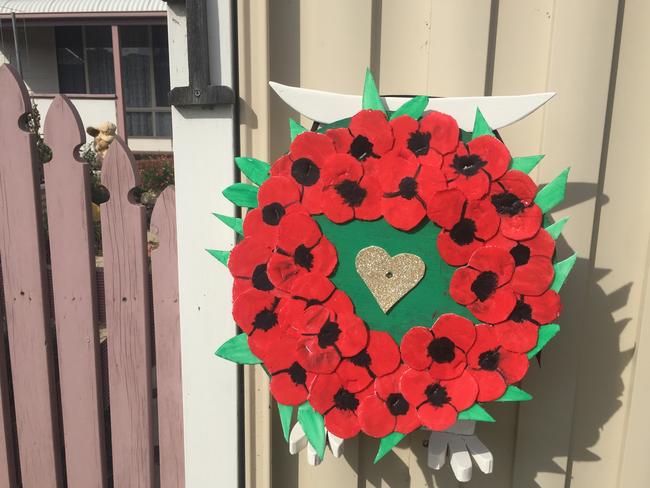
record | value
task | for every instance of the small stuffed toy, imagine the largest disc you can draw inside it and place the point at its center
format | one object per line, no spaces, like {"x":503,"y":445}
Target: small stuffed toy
{"x":104,"y":134}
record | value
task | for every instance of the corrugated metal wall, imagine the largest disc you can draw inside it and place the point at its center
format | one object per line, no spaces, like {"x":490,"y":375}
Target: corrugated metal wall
{"x":588,"y":423}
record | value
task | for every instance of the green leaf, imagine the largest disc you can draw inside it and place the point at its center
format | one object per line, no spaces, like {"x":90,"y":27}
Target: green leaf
{"x":555,"y":229}
{"x":476,"y":412}
{"x":481,"y":127}
{"x":286,"y":412}
{"x":371,"y":98}
{"x":553,"y":193}
{"x":465,"y":136}
{"x":314,"y":426}
{"x":242,"y":195}
{"x":413,"y":108}
{"x":221,"y":256}
{"x":514,"y":394}
{"x":255,"y":170}
{"x":236,"y":350}
{"x":546,"y":333}
{"x":526,"y":163}
{"x":387,"y":443}
{"x":334,"y":125}
{"x":562,"y":270}
{"x":296,"y":129}
{"x":234,"y":223}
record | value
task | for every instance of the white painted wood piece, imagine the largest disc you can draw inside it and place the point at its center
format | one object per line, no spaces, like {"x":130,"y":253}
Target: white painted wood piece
{"x":298,"y":441}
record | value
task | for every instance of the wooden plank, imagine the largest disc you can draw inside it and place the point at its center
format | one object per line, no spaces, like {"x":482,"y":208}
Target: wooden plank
{"x":164,"y":274}
{"x":67,"y":183}
{"x":8,"y":467}
{"x":25,"y":288}
{"x":128,"y":321}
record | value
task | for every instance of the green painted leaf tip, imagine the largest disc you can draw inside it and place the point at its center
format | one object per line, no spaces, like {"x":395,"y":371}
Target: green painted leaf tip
{"x":386,"y":444}
{"x":255,"y":170}
{"x":314,"y":426}
{"x":295,"y":129}
{"x":553,"y":193}
{"x":221,"y":256}
{"x":556,"y":228}
{"x":234,"y":223}
{"x":481,"y":127}
{"x":236,"y":350}
{"x":546,"y":333}
{"x":415,"y":107}
{"x":562,"y":270}
{"x":476,"y":412}
{"x":514,"y":394}
{"x":242,"y":195}
{"x":286,"y":412}
{"x":371,"y":99}
{"x":526,"y":164}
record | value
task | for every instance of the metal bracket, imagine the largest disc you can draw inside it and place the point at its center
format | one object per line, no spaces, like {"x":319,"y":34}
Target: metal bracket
{"x":199,"y":93}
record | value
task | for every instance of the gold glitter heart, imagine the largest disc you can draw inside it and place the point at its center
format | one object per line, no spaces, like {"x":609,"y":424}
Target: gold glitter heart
{"x":388,"y":278}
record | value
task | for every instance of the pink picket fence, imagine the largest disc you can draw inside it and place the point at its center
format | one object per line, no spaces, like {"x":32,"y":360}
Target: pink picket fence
{"x":61,"y":423}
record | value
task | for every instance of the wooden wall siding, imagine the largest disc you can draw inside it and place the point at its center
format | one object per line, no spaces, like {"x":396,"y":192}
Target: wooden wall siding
{"x":587,"y":425}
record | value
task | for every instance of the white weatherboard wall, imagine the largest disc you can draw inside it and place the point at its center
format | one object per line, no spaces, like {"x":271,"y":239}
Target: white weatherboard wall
{"x":203,"y":157}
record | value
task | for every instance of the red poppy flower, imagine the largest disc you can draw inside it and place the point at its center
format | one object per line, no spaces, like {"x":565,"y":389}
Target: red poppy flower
{"x":513,"y":198}
{"x":476,"y":164}
{"x":483,"y":285}
{"x":327,"y":337}
{"x":368,"y":137}
{"x":406,"y":186}
{"x":519,"y":332}
{"x":466,"y":224}
{"x":380,"y":357}
{"x":307,"y":156}
{"x":387,"y":410}
{"x":347,"y":193}
{"x":301,"y":249}
{"x":440,"y":349}
{"x":492,"y":366}
{"x":533,"y":262}
{"x":337,"y":404}
{"x":278,"y":196}
{"x":247,"y":265}
{"x":426,"y":141}
{"x":438,"y":401}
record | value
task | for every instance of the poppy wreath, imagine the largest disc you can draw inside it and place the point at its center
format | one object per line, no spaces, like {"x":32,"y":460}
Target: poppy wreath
{"x":410,"y":183}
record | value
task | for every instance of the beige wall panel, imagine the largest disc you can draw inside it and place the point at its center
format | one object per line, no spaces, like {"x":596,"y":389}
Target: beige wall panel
{"x":391,"y":472}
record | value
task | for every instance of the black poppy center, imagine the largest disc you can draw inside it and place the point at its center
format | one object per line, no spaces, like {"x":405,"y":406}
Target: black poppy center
{"x":305,"y":171}
{"x":397,"y":404}
{"x":484,"y":285}
{"x":418,"y":143}
{"x":272,"y":213}
{"x":265,"y":319}
{"x":361,"y":148}
{"x":408,"y":187}
{"x":436,"y":395}
{"x":328,"y":334}
{"x":351,"y":192}
{"x":441,"y":350}
{"x":521,"y":313}
{"x":260,"y":279}
{"x":362,"y":359}
{"x":345,"y":400}
{"x":507,"y":203}
{"x":489,"y":360}
{"x":521,"y":254}
{"x":302,"y":256}
{"x":464,"y":232}
{"x":468,"y":165}
{"x":297,"y":374}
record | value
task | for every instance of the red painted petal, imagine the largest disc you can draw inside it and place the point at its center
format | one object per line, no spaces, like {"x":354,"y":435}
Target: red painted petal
{"x":316,"y":359}
{"x":462,"y":391}
{"x":485,"y":217}
{"x":246,"y":256}
{"x":473,"y":187}
{"x":393,"y":170}
{"x":445,"y":207}
{"x":278,"y":189}
{"x":384,"y":353}
{"x":254,"y":226}
{"x":449,"y":370}
{"x":546,"y":307}
{"x":375,"y":127}
{"x":311,"y":198}
{"x":414,"y":348}
{"x":283,"y":271}
{"x":341,"y":138}
{"x":513,"y":366}
{"x":401,"y":213}
{"x":534,"y":277}
{"x":370,"y":208}
{"x":354,"y":335}
{"x":248,"y":305}
{"x":322,"y":391}
{"x":282,"y":166}
{"x":443,"y":129}
{"x":430,"y":180}
{"x":403,"y":126}
{"x":486,"y":340}
{"x":520,"y":184}
{"x":354,"y":378}
{"x":460,"y":287}
{"x":325,"y":258}
{"x":517,"y":336}
{"x":523,"y":225}
{"x":408,"y":422}
{"x":286,"y":392}
{"x":342,"y":423}
{"x":495,"y":260}
{"x":542,"y":244}
{"x":340,"y":303}
{"x":385,"y":385}
{"x":313,"y":287}
{"x":455,"y":254}
{"x":269,"y":345}
{"x":493,"y":152}
{"x":500,"y":241}
{"x":491,"y":384}
{"x":312,"y":319}
{"x":341,"y":167}
{"x":291,"y":311}
{"x":413,"y":384}
{"x":374,"y":417}
{"x":296,"y":230}
{"x":437,"y":418}
{"x":312,"y":145}
{"x":461,"y":331}
{"x":495,"y":308}
{"x":335,"y":208}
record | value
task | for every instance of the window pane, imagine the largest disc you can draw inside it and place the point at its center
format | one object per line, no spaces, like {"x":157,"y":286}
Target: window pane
{"x":161,"y":64}
{"x":70,"y":59}
{"x":99,"y":36}
{"x":134,"y":36}
{"x":139,"y":124}
{"x":136,"y":66}
{"x":163,"y":124}
{"x":99,"y":56}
